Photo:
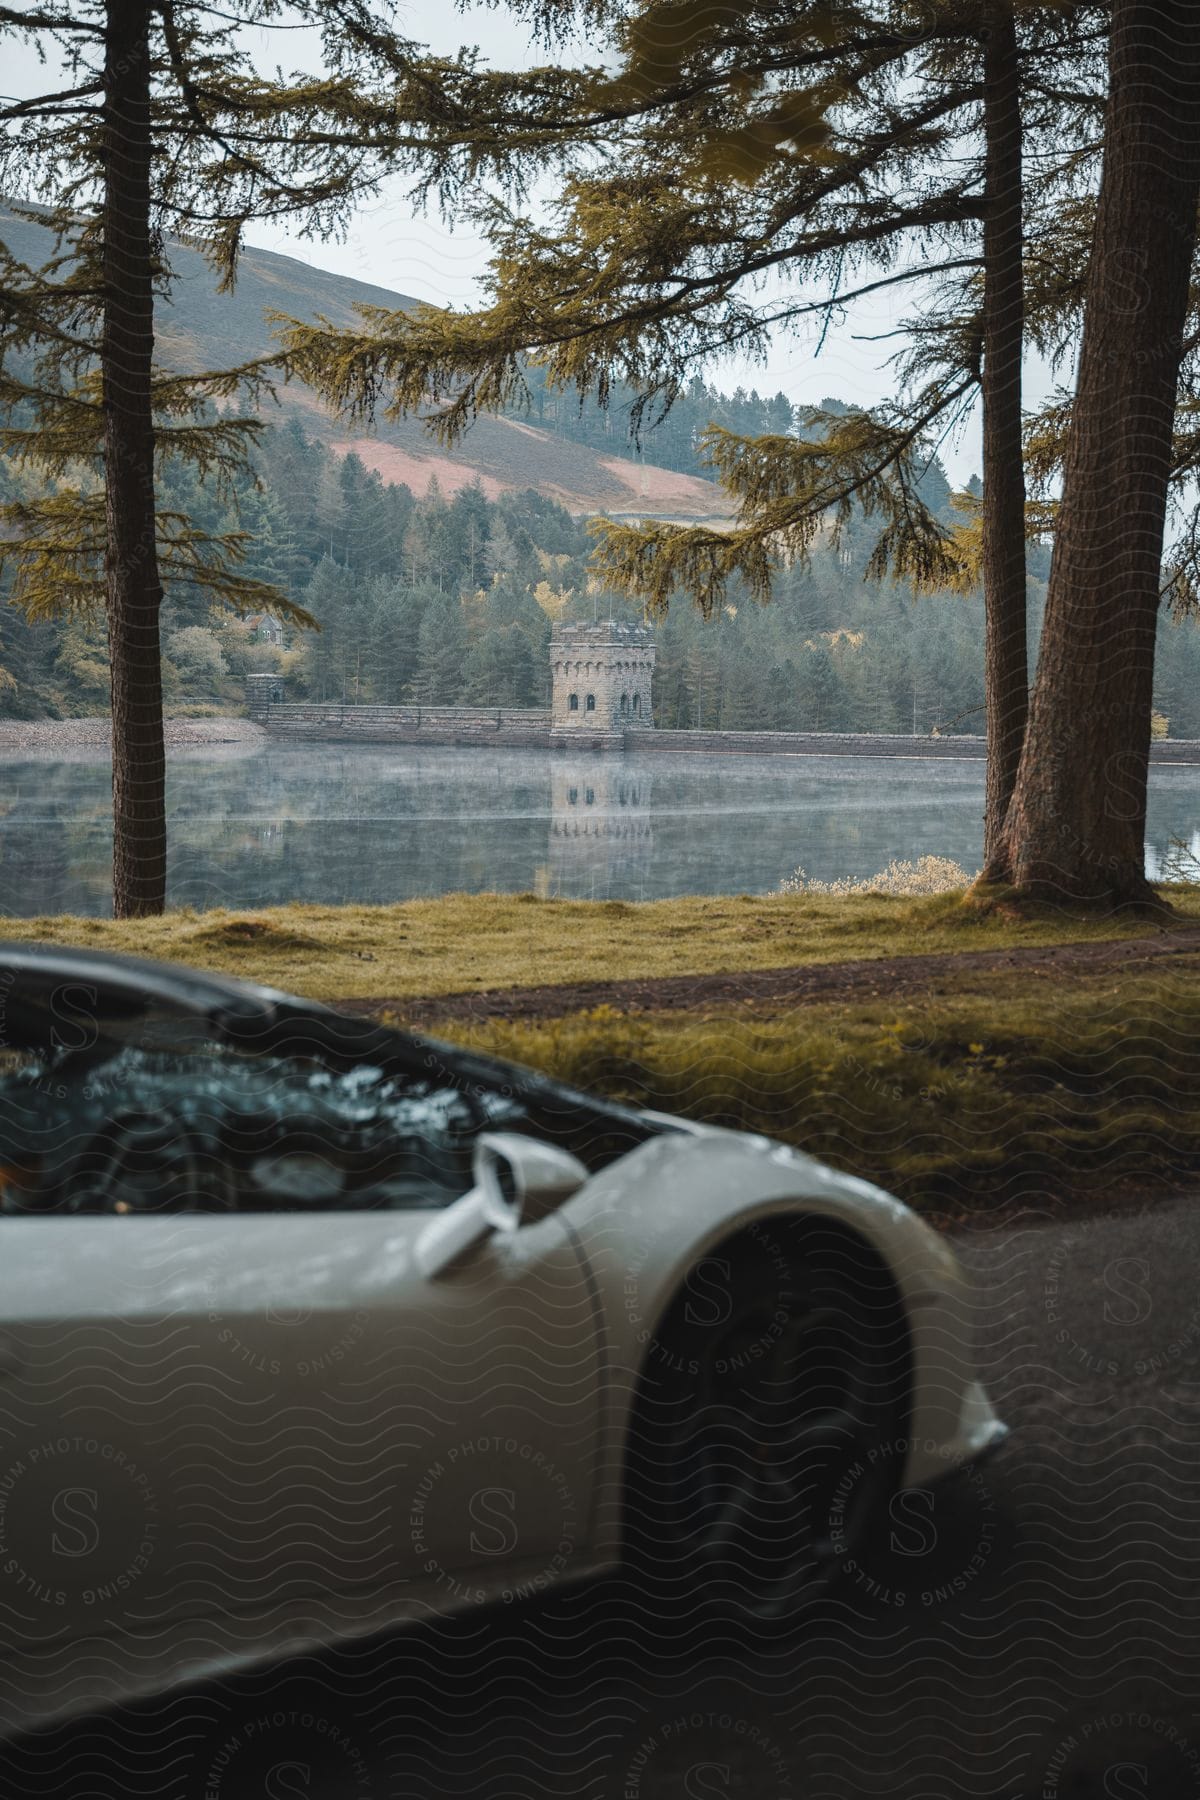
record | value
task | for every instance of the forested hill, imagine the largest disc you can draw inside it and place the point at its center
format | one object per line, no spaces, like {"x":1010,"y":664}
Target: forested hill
{"x":438,"y":578}
{"x":582,"y":460}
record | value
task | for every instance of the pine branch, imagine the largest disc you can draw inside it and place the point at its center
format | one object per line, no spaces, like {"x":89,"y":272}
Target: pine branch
{"x":791,"y":494}
{"x":55,"y":556}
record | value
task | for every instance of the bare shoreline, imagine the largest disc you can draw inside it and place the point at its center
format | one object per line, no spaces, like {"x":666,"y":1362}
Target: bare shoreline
{"x":83,"y":739}
{"x":23,"y":739}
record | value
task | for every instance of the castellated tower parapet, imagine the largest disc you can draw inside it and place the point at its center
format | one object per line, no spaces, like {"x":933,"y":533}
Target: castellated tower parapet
{"x":602,"y":675}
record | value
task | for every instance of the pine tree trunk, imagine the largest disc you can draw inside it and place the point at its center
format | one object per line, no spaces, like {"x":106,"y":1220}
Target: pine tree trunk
{"x":1006,"y":659}
{"x":133,"y":592}
{"x":1076,"y":825}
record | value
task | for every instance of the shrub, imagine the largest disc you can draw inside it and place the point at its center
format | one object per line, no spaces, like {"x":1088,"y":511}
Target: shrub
{"x":197,"y":654}
{"x":907,"y":880}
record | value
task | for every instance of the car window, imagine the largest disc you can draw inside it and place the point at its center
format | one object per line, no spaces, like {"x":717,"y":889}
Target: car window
{"x":204,"y":1127}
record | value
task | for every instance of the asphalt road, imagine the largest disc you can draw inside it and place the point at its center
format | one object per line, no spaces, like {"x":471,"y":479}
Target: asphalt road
{"x":1031,"y":1630}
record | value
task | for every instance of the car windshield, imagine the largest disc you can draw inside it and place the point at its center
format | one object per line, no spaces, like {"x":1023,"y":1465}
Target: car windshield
{"x":180,"y":1122}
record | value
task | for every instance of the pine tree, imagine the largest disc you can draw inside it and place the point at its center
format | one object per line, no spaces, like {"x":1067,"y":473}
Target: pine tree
{"x":329,"y":600}
{"x":271,"y":550}
{"x":153,"y":123}
{"x":777,"y":704}
{"x":501,"y":555}
{"x":499,"y":669}
{"x":468,"y":527}
{"x":395,"y":623}
{"x":1076,"y":825}
{"x":855,"y":153}
{"x":293,"y":467}
{"x":744,"y":700}
{"x":441,"y":652}
{"x":823,"y":695}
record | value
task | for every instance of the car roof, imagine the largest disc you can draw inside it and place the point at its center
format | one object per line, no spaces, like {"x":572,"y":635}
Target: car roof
{"x":127,"y":985}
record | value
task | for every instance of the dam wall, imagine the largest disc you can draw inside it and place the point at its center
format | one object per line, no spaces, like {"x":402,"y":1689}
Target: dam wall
{"x":533,"y":728}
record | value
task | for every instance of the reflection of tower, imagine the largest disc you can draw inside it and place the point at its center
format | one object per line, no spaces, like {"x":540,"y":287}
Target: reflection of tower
{"x":267,"y":836}
{"x":602,"y":676}
{"x":601,"y":834}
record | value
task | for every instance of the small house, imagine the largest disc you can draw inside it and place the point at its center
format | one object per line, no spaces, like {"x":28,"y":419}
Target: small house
{"x":266,"y":630}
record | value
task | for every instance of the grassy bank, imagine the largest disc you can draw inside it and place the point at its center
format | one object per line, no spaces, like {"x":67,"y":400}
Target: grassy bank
{"x":978,"y":1094}
{"x":465,"y":943}
{"x":983,"y":1083}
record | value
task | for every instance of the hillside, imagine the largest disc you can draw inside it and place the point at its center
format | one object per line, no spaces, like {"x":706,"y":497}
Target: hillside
{"x":199,"y":328}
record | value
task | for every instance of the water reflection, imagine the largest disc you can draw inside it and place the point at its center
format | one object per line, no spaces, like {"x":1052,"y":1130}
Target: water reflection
{"x":325,"y":823}
{"x":601,"y":829}
{"x":34,"y":836}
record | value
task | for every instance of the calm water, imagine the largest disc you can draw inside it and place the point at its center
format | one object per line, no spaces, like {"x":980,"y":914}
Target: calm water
{"x":322,"y":823}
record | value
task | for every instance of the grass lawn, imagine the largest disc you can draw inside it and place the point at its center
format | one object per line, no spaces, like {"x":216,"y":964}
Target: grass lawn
{"x":1011,"y":1088}
{"x":466,"y":943}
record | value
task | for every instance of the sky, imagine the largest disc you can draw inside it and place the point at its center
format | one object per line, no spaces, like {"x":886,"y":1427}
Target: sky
{"x":393,"y":246}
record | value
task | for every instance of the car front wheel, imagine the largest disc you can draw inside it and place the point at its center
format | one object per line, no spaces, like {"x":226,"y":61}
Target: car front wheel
{"x":758,"y":1457}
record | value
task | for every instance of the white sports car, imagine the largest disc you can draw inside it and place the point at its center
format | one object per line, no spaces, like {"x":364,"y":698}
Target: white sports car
{"x":309,"y":1328}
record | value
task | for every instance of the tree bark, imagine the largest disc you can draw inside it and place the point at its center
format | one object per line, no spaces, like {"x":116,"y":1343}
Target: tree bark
{"x":1076,"y":825}
{"x":133,"y":591}
{"x":1006,"y":657}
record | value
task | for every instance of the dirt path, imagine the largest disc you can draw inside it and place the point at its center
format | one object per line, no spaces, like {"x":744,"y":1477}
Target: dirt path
{"x":865,"y":979}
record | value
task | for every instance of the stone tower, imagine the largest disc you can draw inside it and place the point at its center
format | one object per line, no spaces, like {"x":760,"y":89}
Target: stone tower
{"x":601,"y":677}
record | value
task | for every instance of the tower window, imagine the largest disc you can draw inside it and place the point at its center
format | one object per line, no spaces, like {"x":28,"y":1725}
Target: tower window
{"x":591,"y":703}
{"x":573,"y":703}
{"x":624,"y":703}
{"x":636,"y":707}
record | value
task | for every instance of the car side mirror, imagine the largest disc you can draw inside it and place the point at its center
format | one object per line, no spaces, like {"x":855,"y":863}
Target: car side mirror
{"x":522,"y":1178}
{"x":518,"y":1180}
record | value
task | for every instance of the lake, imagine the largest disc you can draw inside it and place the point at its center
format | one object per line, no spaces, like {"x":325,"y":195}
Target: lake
{"x":323,"y":822}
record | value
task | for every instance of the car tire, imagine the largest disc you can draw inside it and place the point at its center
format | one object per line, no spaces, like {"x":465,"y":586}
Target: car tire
{"x":758,"y":1453}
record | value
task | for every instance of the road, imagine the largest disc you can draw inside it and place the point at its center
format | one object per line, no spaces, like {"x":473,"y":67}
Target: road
{"x":1031,"y":1631}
